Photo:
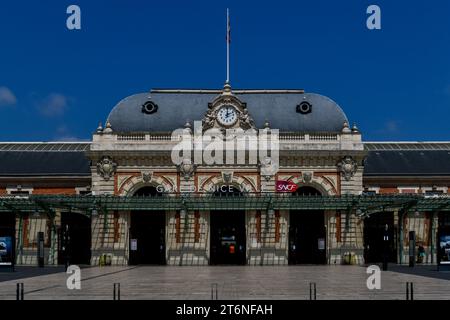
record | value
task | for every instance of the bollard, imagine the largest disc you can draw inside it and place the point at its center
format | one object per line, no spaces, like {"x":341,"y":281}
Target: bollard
{"x":312,"y":291}
{"x":214,"y":295}
{"x":19,"y":291}
{"x":409,"y":291}
{"x":116,"y":292}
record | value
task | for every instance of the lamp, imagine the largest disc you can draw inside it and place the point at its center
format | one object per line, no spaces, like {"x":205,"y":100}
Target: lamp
{"x":270,"y":212}
{"x":94,"y":212}
{"x":36,"y":213}
{"x":358,"y":212}
{"x":182,"y":213}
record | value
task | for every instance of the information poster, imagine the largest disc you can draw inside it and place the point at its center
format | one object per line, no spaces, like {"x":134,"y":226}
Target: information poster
{"x":133,"y":245}
{"x":6,"y":254}
{"x":444,"y":248}
{"x":321,"y":244}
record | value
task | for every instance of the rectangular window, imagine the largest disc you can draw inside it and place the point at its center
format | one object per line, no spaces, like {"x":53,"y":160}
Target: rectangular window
{"x":197,"y":226}
{"x":177,"y":227}
{"x":338,"y":226}
{"x":19,"y":192}
{"x":434,"y":192}
{"x":116,"y":227}
{"x":26,"y":223}
{"x":258,"y":226}
{"x":277,"y":227}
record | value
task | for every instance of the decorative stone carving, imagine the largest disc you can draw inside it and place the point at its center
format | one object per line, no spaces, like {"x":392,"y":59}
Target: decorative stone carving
{"x":209,"y":119}
{"x":147,"y":176}
{"x":108,"y":128}
{"x":347,"y":166}
{"x":267,"y":168}
{"x":187,"y":168}
{"x":246,"y":122}
{"x":227,"y":99}
{"x":99,"y":128}
{"x":106,"y":167}
{"x":307,"y":176}
{"x":346,"y":128}
{"x":227,"y":177}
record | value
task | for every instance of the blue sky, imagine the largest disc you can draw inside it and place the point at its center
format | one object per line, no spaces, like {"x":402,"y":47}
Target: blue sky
{"x":58,"y":84}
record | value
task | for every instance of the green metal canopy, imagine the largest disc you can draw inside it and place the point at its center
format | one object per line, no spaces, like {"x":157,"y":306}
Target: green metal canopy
{"x":363,"y":204}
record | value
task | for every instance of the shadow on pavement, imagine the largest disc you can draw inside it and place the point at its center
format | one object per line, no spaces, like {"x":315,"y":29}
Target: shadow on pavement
{"x":430,"y":271}
{"x":22,"y":272}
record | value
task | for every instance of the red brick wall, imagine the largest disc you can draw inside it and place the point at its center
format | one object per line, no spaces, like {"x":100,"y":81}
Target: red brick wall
{"x":54,"y":191}
{"x":388,"y":190}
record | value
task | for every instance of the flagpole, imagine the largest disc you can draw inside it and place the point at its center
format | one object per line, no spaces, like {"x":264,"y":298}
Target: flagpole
{"x":228,"y":46}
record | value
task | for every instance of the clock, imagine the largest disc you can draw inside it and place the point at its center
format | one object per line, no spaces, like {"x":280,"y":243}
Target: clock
{"x":227,"y":115}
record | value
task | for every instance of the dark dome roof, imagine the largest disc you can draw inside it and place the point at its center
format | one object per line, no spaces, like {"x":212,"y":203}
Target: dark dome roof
{"x":174,"y":108}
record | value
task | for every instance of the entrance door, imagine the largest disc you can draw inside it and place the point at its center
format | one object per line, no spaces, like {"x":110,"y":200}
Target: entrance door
{"x":374,"y":233}
{"x":228,"y":243}
{"x":307,"y":233}
{"x":307,"y":237}
{"x":74,"y":245}
{"x":147,"y":233}
{"x":147,"y":238}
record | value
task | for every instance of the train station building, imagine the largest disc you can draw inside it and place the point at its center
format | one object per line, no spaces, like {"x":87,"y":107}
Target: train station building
{"x":329,"y":197}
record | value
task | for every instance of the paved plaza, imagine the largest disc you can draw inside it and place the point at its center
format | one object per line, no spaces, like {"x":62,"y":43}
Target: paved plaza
{"x":190,"y":283}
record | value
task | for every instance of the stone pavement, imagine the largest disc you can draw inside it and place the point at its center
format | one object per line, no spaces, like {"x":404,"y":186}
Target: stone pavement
{"x":234,"y":282}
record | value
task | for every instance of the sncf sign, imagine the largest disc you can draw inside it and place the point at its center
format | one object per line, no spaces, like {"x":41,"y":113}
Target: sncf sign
{"x":285,"y":186}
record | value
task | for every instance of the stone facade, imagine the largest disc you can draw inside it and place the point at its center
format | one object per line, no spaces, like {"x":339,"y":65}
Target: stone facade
{"x":331,"y":163}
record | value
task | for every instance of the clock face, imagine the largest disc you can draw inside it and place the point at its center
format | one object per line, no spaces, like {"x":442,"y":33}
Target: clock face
{"x":227,"y":115}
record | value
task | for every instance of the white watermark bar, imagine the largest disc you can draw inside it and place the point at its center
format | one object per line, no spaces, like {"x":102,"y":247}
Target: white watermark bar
{"x":227,"y":146}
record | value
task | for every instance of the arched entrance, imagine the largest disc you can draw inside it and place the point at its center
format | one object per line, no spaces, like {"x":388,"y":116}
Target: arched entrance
{"x":307,"y":232}
{"x":74,"y":241}
{"x":228,"y":236}
{"x":147,"y":232}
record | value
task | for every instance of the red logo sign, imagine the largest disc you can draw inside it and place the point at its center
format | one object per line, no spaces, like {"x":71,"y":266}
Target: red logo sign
{"x":285,"y":186}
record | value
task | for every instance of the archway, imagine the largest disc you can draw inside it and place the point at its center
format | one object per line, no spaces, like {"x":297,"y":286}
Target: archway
{"x":307,"y":232}
{"x":147,"y":232}
{"x":228,"y":236}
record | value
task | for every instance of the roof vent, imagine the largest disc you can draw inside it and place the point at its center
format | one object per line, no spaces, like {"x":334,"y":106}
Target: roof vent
{"x":304,"y":107}
{"x":149,"y":107}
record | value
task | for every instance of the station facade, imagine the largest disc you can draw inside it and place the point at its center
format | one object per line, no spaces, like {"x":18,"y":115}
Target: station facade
{"x":318,"y":153}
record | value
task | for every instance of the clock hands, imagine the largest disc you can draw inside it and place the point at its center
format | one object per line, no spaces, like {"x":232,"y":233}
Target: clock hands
{"x":228,"y":112}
